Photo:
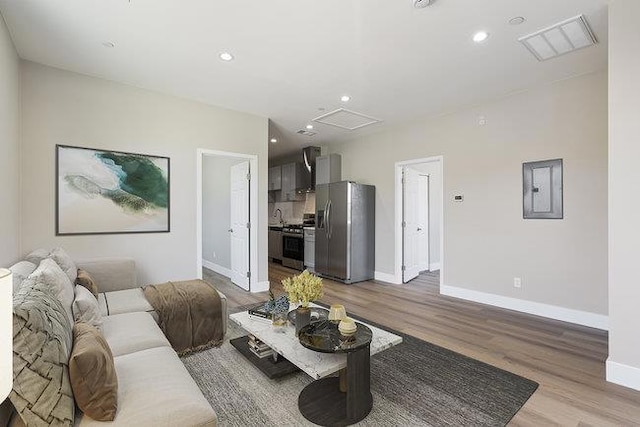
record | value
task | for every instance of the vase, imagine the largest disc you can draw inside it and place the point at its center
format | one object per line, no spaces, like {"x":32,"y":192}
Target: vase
{"x":303,"y":318}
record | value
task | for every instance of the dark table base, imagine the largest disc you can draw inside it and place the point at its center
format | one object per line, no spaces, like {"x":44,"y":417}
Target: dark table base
{"x":322,"y":402}
{"x":266,"y":364}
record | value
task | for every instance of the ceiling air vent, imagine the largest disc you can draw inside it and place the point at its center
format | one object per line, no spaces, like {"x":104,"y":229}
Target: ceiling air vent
{"x":346,"y":119}
{"x":561,"y":38}
{"x":306,"y":132}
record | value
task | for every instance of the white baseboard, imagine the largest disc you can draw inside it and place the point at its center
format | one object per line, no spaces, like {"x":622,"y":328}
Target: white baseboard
{"x":217,"y":268}
{"x":592,"y":320}
{"x":386,"y":277}
{"x":625,"y":375}
{"x":434,"y":266}
{"x":260,"y":287}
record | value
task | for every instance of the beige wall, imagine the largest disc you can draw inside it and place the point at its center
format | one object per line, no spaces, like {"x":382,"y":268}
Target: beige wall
{"x":9,"y":149}
{"x":60,"y":107}
{"x":624,"y":182}
{"x":486,"y":241}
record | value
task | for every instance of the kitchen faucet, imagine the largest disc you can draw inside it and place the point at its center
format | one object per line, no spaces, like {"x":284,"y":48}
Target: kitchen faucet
{"x":275,"y":213}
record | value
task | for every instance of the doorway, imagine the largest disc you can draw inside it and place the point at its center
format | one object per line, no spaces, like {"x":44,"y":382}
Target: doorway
{"x":419,"y":212}
{"x":226,"y":223}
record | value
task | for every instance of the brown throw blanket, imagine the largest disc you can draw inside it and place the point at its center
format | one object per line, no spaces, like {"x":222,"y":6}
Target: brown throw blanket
{"x":190,"y":314}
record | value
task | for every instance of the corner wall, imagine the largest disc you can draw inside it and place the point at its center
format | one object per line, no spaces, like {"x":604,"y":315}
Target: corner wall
{"x":562,"y":263}
{"x":60,"y":107}
{"x":9,"y":149}
{"x":623,"y":364}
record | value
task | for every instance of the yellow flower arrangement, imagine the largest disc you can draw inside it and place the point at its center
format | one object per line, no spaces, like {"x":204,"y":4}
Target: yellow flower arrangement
{"x":303,"y":288}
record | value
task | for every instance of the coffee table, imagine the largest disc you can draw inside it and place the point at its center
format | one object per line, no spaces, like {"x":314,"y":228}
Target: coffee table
{"x":316,"y":364}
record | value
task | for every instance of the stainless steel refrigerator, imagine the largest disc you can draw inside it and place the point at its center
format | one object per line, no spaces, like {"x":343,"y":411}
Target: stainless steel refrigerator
{"x":345,"y":231}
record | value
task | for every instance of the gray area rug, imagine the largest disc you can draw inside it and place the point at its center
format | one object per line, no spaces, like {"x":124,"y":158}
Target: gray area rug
{"x":413,"y":384}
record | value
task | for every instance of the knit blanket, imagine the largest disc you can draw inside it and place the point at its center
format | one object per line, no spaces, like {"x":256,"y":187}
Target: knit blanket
{"x":190,"y":314}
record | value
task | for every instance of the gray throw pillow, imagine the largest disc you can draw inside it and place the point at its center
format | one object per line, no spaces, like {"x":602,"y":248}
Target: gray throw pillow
{"x":49,"y":273}
{"x":86,"y":308}
{"x":37,"y":256}
{"x":62,"y":258}
{"x":21,"y":271}
{"x":42,"y":343}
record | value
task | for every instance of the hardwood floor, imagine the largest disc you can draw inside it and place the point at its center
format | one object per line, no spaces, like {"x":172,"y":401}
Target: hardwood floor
{"x":568,"y":361}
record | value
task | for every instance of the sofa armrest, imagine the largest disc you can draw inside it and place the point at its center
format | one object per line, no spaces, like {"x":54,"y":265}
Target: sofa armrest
{"x":111,"y":274}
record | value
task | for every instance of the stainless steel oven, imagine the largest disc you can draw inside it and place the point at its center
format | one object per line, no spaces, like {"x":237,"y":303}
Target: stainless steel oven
{"x":293,"y":247}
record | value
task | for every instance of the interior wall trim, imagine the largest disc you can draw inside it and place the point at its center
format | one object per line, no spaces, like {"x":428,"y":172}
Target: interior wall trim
{"x":584,"y":318}
{"x":625,"y":375}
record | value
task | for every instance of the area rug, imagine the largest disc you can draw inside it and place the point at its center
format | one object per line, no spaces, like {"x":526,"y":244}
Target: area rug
{"x":413,"y":384}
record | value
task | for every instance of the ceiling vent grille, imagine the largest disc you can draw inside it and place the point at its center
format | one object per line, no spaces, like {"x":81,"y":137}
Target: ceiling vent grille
{"x":559,"y":39}
{"x":346,"y":119}
{"x":306,"y":132}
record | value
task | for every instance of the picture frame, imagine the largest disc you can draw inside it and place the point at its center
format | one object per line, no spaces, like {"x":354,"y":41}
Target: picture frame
{"x":542,"y":189}
{"x":101,"y":191}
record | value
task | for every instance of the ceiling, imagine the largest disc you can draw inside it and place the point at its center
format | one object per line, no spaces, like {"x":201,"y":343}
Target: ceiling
{"x":293,"y":58}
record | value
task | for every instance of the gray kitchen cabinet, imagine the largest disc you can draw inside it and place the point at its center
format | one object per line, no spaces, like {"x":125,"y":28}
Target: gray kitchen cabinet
{"x":275,"y":178}
{"x":310,"y":248}
{"x":328,"y":169}
{"x":292,"y":179}
{"x":275,"y":244}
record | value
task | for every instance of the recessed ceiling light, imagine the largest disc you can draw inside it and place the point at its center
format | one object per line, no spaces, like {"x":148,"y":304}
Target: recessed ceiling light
{"x":226,"y":56}
{"x":309,"y":127}
{"x":109,"y":44}
{"x":480,"y":36}
{"x":273,"y":140}
{"x":345,"y":98}
{"x":517,"y":20}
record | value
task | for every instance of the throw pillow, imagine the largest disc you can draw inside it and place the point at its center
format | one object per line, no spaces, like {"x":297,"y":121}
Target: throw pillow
{"x":93,"y":374}
{"x":49,"y":273}
{"x":37,"y":256}
{"x":62,"y":258}
{"x":41,"y":390}
{"x":21,"y":271}
{"x":86,"y":308}
{"x":84,"y":279}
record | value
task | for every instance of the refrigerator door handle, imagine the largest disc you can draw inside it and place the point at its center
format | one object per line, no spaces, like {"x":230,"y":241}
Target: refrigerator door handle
{"x":325,"y":215}
{"x":329,"y":221}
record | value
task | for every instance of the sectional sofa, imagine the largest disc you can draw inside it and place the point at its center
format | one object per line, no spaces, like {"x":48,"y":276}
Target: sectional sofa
{"x":154,"y":387}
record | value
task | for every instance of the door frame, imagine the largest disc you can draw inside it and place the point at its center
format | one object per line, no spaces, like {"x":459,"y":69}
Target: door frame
{"x":254,"y":284}
{"x":399,"y":210}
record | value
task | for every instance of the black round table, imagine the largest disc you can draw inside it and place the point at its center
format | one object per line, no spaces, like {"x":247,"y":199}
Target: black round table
{"x":342,"y":400}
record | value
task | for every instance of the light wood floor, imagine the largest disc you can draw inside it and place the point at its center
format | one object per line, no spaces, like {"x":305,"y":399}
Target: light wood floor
{"x":568,"y":361}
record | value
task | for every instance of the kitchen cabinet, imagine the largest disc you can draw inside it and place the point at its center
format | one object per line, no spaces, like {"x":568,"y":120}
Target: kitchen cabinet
{"x":309,"y":248}
{"x":275,"y":243}
{"x":275,"y":178}
{"x":293,"y":177}
{"x":328,"y":169}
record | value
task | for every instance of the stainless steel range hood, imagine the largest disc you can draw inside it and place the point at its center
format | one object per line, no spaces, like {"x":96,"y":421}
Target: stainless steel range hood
{"x":309,"y":155}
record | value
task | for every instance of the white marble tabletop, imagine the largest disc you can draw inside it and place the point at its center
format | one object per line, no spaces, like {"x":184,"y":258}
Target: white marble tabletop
{"x":315,"y":364}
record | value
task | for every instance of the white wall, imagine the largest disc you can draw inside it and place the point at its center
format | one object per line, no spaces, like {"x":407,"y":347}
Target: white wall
{"x":486,"y":241}
{"x":9,"y":149}
{"x":435,"y":207}
{"x":623,"y":365}
{"x":60,"y":107}
{"x":216,"y":209}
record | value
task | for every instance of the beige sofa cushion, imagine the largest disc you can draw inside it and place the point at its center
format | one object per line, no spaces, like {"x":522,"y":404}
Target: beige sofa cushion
{"x":127,"y":301}
{"x":130,"y":332}
{"x":86,"y":309}
{"x":111,"y":274}
{"x":50,"y":273}
{"x":155,"y":389}
{"x":93,"y":374}
{"x":41,"y":346}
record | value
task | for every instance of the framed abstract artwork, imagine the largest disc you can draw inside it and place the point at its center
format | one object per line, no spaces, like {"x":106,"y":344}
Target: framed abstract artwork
{"x":542,"y":190}
{"x":110,"y":192}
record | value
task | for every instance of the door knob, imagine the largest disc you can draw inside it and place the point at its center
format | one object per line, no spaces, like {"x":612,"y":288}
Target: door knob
{"x":419,"y":229}
{"x":230,"y":230}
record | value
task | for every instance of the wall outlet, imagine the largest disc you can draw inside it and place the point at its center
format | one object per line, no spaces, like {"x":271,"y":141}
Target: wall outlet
{"x":214,"y":254}
{"x":517,"y":282}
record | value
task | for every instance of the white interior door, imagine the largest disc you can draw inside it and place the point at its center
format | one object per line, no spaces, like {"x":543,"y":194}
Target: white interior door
{"x":423,"y":222}
{"x":239,"y":229}
{"x":411,"y":218}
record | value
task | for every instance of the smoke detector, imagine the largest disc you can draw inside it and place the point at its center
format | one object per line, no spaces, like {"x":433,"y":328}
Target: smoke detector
{"x":419,"y":4}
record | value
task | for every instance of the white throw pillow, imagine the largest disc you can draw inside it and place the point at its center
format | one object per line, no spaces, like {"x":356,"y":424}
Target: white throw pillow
{"x":62,"y":258}
{"x":50,"y":273}
{"x":86,"y":308}
{"x":21,"y":271}
{"x":37,"y":256}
